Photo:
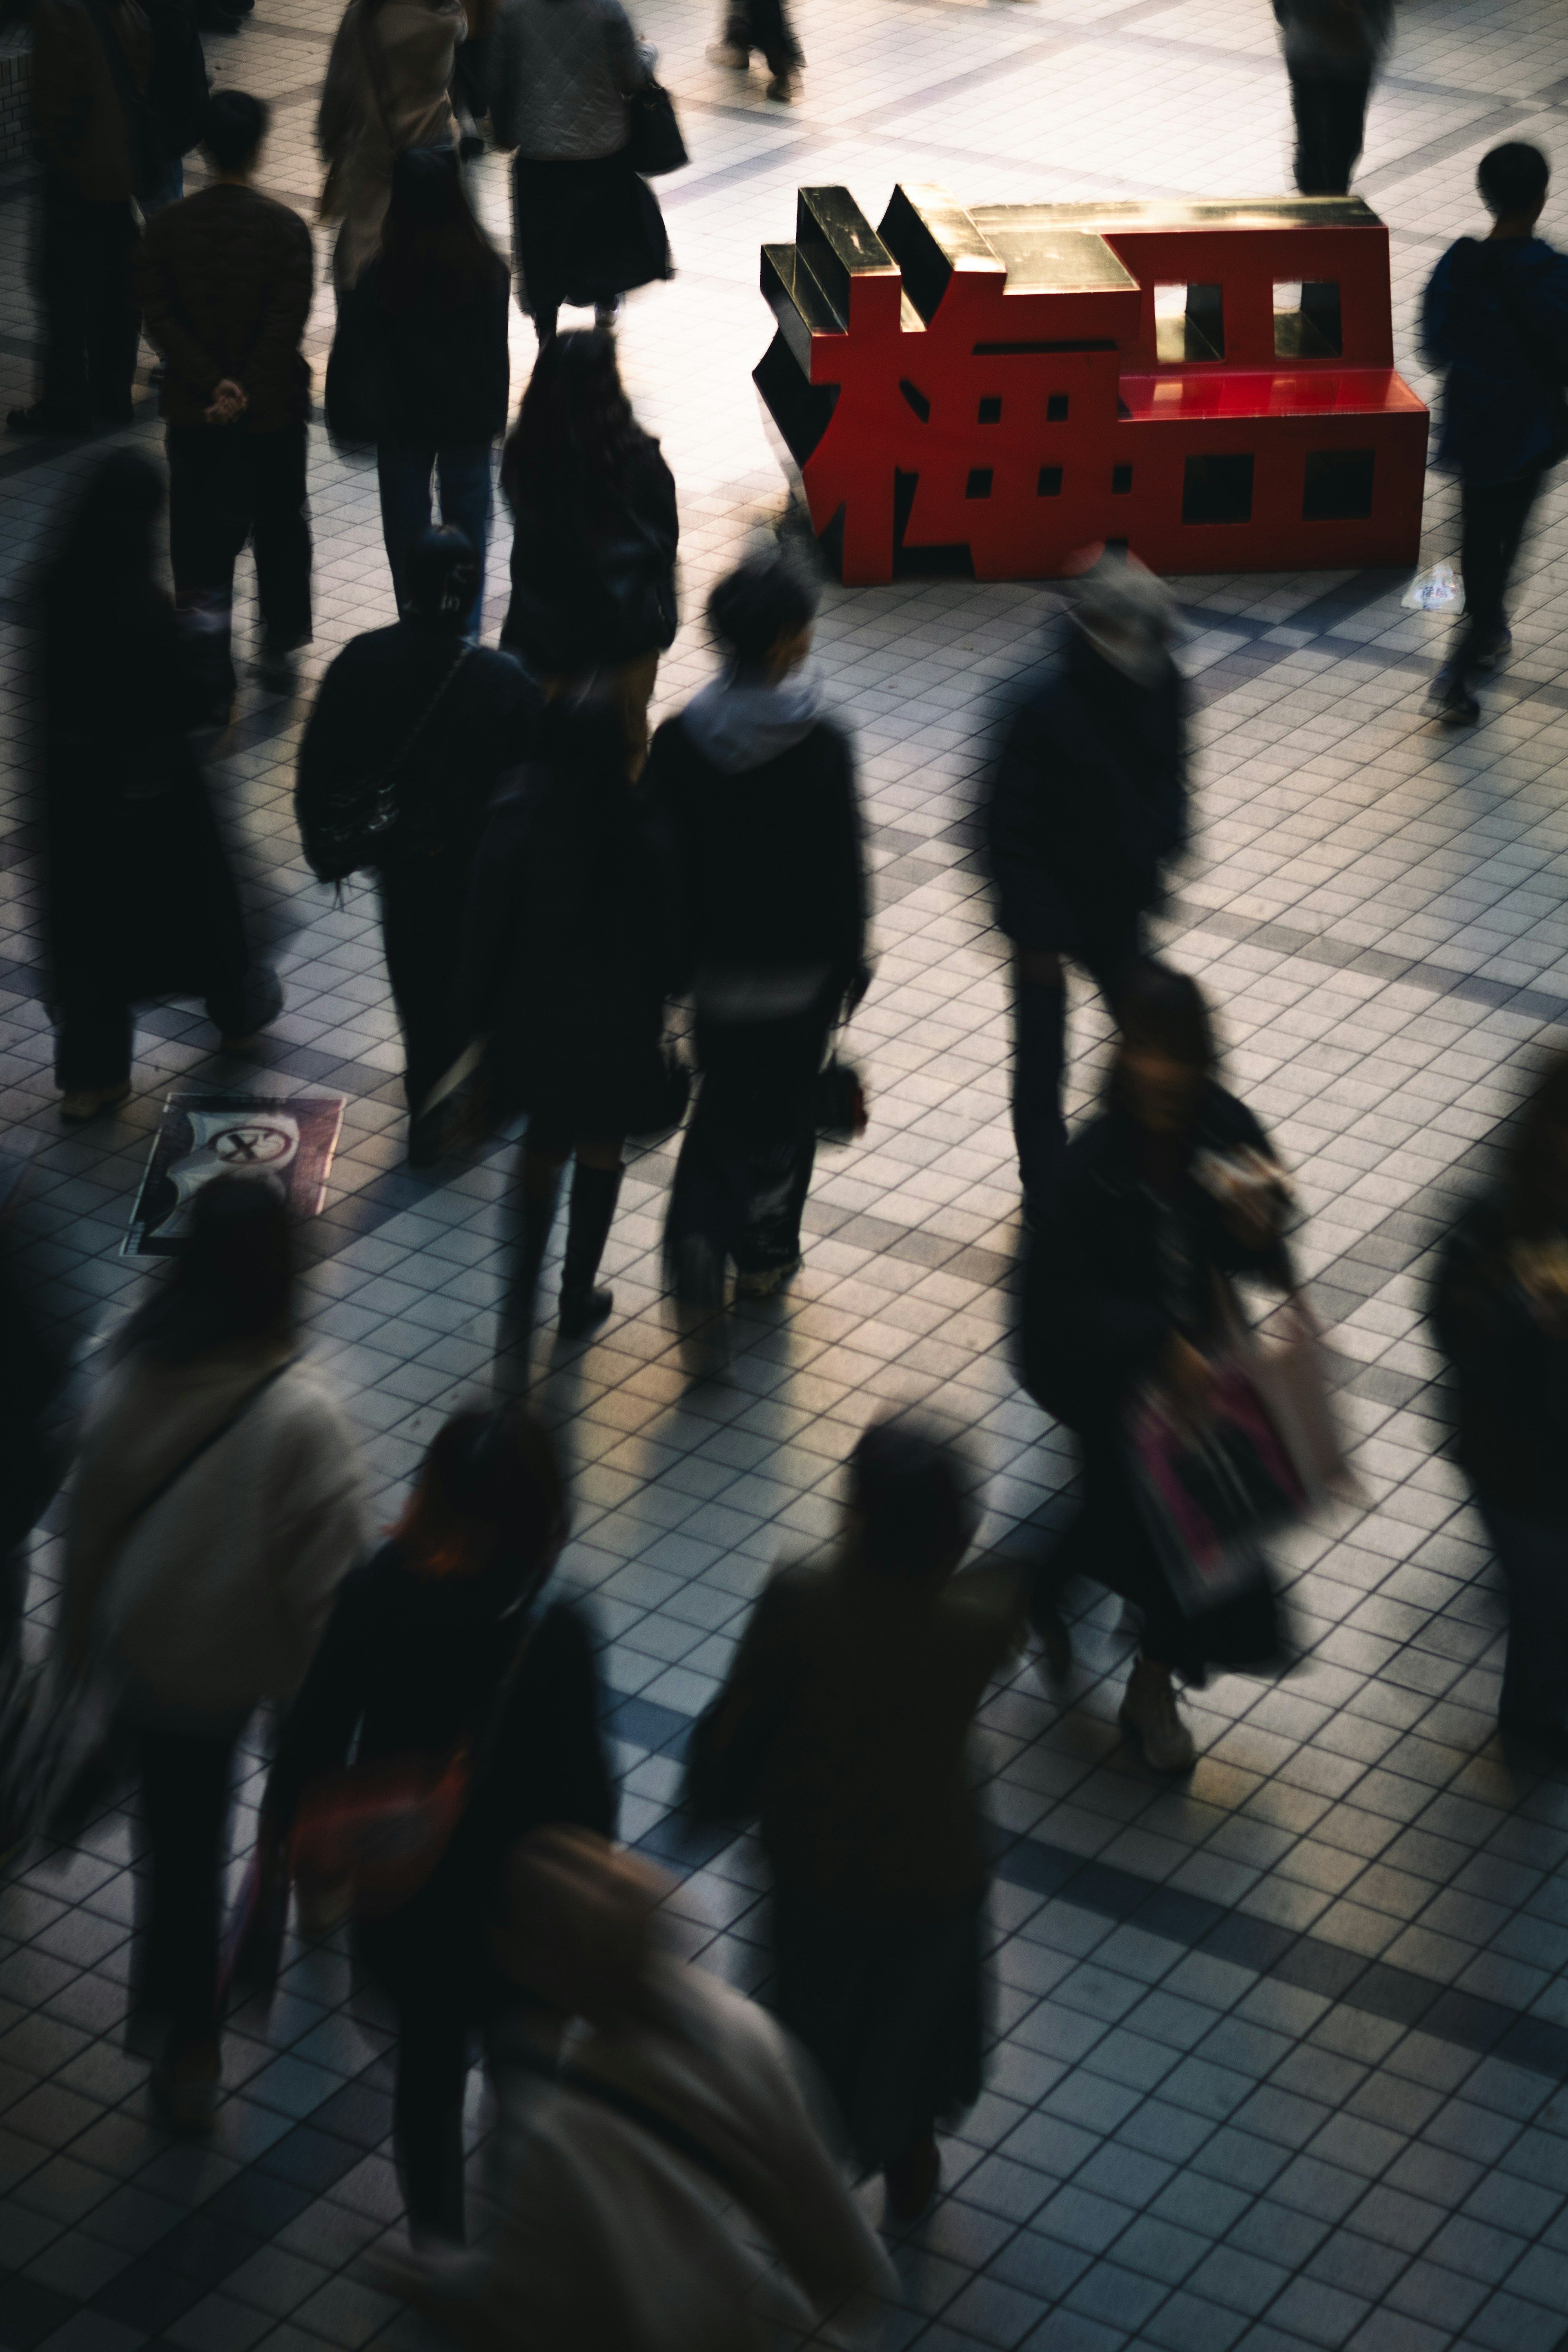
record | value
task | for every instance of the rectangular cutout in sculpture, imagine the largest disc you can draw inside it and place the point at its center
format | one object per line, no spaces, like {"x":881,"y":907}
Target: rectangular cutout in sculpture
{"x":999,"y":388}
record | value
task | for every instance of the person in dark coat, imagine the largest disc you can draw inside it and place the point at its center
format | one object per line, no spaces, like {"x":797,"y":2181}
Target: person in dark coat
{"x":1495,"y":315}
{"x":586,"y":228}
{"x":226,"y":278}
{"x":854,"y":1692}
{"x":1499,"y":1307}
{"x":438,"y":1641}
{"x":1169,"y":1193}
{"x":759,"y":791}
{"x":595,"y":533}
{"x":141,"y":897}
{"x":437,"y":722}
{"x":570,"y":950}
{"x":1332,"y":50}
{"x":1088,"y":804}
{"x":423,"y":335}
{"x":84,"y":228}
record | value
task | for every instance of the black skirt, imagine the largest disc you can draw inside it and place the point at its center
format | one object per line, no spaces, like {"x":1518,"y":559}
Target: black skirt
{"x":584,"y":232}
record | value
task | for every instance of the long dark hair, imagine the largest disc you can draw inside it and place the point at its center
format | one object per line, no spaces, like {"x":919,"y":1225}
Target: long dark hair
{"x":1534,"y":1185}
{"x":490,"y":1494}
{"x":432,"y":247}
{"x":232,"y":1284}
{"x":574,"y":418}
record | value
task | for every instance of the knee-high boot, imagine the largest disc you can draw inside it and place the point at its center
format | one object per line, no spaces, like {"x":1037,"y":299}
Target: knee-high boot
{"x":594,"y":1191}
{"x":536,"y":1216}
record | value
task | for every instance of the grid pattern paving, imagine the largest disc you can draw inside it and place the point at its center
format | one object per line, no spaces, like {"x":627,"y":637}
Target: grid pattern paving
{"x":1281,"y":2049}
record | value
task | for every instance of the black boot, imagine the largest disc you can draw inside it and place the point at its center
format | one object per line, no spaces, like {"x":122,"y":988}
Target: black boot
{"x":594,"y":1191}
{"x":538,"y":1215}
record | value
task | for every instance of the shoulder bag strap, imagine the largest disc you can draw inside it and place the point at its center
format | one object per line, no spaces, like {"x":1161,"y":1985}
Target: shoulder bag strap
{"x":421,"y":724}
{"x":188,"y":1462}
{"x":634,"y":2110}
{"x":165,"y":1486}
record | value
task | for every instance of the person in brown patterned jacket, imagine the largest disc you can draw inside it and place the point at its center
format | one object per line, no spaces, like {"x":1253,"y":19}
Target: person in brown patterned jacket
{"x":91,"y":60}
{"x":226,"y":278}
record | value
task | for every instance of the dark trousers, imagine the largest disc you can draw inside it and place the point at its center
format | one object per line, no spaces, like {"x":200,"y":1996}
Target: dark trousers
{"x":228,"y":485}
{"x":184,"y":1811}
{"x":432,"y":2080}
{"x":463,"y":478}
{"x":1039,"y":1055}
{"x":764,"y":25}
{"x":1493,"y":516}
{"x":82,"y":262}
{"x":747,"y":1156}
{"x":422,"y":902}
{"x":1330,"y":121}
{"x":1535,"y":1563}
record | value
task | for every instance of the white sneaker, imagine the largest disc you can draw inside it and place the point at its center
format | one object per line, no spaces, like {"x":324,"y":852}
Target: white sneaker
{"x":1149,"y":1710}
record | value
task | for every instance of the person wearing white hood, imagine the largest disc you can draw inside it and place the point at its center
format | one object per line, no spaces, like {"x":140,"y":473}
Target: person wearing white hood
{"x":758,"y":790}
{"x":1088,"y":804}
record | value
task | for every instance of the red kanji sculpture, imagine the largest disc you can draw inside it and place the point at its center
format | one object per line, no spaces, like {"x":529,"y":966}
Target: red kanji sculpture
{"x":1211,"y":383}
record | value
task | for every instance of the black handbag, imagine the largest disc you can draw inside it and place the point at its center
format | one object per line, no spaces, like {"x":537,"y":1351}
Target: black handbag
{"x":656,"y":144}
{"x":841,"y":1113}
{"x":662,"y":1092}
{"x":357,"y":823}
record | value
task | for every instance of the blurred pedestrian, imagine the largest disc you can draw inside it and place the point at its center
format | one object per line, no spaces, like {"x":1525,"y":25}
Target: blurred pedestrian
{"x":226,"y":278}
{"x":1495,"y":314}
{"x":386,"y":89}
{"x":99,"y":150}
{"x":34,"y":1362}
{"x":471,"y":84}
{"x":758,"y":787}
{"x":1499,"y":1307}
{"x":1089,"y":803}
{"x":217,"y":1503}
{"x":439,"y":1645}
{"x":140,"y":896}
{"x":176,"y":93}
{"x":586,"y":227}
{"x":416,"y":726}
{"x":765,"y":26}
{"x":1332,"y":50}
{"x":422,"y":341}
{"x":595,"y":532}
{"x":852,"y":1696}
{"x":570,"y":950}
{"x":1166,"y":1196}
{"x":638,"y":2173}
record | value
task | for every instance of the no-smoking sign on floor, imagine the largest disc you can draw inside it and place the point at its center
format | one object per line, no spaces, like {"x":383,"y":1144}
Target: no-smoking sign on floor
{"x":289,"y":1140}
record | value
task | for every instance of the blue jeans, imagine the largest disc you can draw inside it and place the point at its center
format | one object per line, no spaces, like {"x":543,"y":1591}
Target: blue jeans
{"x":464,"y":477}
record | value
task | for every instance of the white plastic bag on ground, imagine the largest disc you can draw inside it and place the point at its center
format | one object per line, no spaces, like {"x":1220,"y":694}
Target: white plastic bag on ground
{"x":1429,"y":590}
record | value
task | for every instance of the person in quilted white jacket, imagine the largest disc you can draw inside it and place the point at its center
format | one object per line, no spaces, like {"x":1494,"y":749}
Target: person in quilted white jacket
{"x":585,"y":228}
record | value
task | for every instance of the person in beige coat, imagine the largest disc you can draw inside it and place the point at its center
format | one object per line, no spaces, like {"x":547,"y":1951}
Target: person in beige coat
{"x":637,"y":2176}
{"x":386,"y":89}
{"x":216,"y":1506}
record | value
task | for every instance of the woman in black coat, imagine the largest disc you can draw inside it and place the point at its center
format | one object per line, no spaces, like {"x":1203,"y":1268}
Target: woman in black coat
{"x":1171,"y":1191}
{"x":141,"y":897}
{"x":570,"y":951}
{"x":1500,"y":1310}
{"x":758,"y":788}
{"x":595,"y":532}
{"x":436,"y":1642}
{"x":420,"y":363}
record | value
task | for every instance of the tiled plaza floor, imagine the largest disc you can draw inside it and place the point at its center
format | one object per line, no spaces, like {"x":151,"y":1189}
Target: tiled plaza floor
{"x":1282,"y":2051}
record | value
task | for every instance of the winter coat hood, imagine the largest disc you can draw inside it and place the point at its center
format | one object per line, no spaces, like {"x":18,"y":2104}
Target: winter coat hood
{"x":740,"y":723}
